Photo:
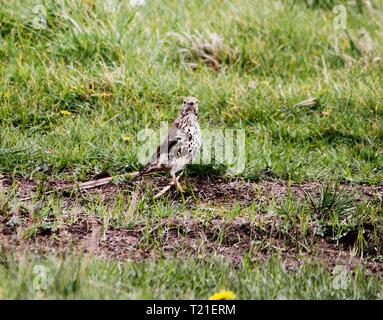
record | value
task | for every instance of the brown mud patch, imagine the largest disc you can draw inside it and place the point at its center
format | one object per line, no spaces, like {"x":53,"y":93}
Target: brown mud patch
{"x":181,"y":236}
{"x":209,"y":190}
{"x":257,"y":237}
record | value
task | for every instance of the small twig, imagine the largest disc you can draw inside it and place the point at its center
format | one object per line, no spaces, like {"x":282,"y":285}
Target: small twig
{"x":164,"y":190}
{"x":84,"y":185}
{"x":94,"y":183}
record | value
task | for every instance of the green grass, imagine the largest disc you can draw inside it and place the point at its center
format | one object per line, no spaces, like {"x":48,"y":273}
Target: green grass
{"x":272,"y":57}
{"x":70,"y":277}
{"x":249,"y":63}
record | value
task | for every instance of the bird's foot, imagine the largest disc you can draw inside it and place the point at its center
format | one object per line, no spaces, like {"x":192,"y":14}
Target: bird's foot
{"x":173,"y":183}
{"x":163,"y":191}
{"x":179,"y":188}
{"x":177,"y":184}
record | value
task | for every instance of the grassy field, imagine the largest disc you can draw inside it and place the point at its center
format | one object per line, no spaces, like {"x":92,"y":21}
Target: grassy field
{"x":84,"y":278}
{"x":80,"y":79}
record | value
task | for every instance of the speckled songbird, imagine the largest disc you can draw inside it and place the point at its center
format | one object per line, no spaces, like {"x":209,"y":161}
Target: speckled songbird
{"x":181,"y":144}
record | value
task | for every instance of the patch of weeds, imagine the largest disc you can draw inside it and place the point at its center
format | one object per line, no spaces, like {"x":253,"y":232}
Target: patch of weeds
{"x":334,"y":211}
{"x":331,"y":203}
{"x":294,"y":224}
{"x":194,"y":49}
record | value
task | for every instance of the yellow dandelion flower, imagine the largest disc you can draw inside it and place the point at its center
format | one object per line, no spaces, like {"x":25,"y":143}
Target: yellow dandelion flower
{"x":223,"y":295}
{"x":126,"y":139}
{"x":346,"y":43}
{"x":65,"y":112}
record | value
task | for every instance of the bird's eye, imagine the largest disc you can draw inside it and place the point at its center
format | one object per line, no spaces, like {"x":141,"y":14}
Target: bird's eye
{"x":184,"y":101}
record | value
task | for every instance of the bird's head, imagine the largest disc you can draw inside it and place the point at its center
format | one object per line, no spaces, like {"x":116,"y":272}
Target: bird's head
{"x":190,"y":104}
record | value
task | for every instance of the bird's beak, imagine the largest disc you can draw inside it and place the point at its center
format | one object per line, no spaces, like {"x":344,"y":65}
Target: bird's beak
{"x":193,"y":109}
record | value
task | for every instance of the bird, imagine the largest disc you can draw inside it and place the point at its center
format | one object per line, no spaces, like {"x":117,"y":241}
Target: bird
{"x":181,"y":145}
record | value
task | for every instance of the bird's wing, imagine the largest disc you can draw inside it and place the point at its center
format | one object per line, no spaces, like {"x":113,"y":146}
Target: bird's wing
{"x":166,"y":146}
{"x":169,"y":142}
{"x":163,"y":150}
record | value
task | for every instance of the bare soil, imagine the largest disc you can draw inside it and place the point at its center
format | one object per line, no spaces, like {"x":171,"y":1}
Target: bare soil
{"x":257,"y":237}
{"x":208,"y":190}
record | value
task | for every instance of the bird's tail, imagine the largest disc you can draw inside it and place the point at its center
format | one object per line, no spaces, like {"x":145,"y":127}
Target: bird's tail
{"x":144,"y":170}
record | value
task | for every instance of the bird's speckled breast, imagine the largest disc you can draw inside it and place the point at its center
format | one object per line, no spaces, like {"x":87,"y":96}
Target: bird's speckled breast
{"x":191,"y":136}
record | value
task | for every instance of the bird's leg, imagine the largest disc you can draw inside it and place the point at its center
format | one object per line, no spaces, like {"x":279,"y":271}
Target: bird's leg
{"x":177,"y":184}
{"x":168,"y":187}
{"x":173,"y":183}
